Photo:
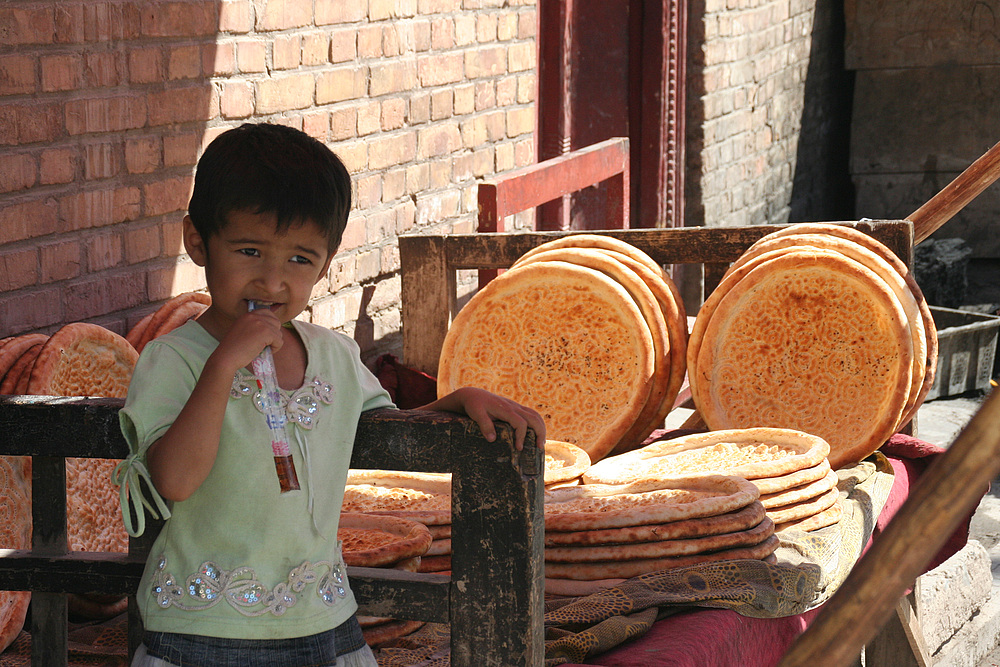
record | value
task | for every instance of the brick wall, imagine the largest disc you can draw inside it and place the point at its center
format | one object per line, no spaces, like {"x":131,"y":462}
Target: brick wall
{"x":105,"y":106}
{"x":768,"y":113}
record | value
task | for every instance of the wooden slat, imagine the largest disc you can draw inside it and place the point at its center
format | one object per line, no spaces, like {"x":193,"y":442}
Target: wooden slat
{"x":427,"y":286}
{"x":73,"y":572}
{"x":394,"y":594}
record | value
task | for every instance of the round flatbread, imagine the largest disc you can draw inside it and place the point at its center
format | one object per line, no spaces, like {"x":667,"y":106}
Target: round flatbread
{"x":435,"y":563}
{"x":800,"y":493}
{"x":635,"y":568}
{"x":748,"y":453}
{"x":563,"y":339}
{"x":14,"y":382}
{"x":805,"y":508}
{"x":377,"y":541}
{"x":178,"y":316}
{"x":648,"y":304}
{"x":422,"y":497}
{"x":14,"y":347}
{"x":742,"y":519}
{"x":593,"y":506}
{"x":564,"y":462}
{"x":161,"y":314}
{"x":827,"y":517}
{"x":384,"y":633}
{"x":572,"y":588}
{"x":439,"y":547}
{"x":662,"y":548}
{"x":15,"y":533}
{"x":811,"y":341}
{"x":135,"y":334}
{"x":791,"y":480}
{"x":872,"y":244}
{"x":83,"y":359}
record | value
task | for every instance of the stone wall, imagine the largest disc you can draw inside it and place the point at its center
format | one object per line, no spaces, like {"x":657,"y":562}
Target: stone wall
{"x":105,"y":106}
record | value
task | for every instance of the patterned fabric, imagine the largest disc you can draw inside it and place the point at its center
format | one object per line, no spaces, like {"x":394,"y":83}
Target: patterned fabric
{"x":809,"y":569}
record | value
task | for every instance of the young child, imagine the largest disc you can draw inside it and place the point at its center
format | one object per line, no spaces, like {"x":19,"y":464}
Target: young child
{"x":242,"y":574}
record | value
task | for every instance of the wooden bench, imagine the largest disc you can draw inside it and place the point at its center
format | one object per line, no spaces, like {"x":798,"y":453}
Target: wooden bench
{"x":493,"y":598}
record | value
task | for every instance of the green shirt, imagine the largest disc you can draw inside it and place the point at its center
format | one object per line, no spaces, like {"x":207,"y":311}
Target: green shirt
{"x":238,"y":558}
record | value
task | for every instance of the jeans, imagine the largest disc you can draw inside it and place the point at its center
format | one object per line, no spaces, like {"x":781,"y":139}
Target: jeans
{"x":313,"y":651}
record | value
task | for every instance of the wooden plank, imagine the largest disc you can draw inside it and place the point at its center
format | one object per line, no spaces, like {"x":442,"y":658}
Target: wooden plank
{"x":949,"y":489}
{"x":73,"y":572}
{"x":49,"y":630}
{"x":427,"y":288}
{"x":395,"y":594}
{"x":56,"y":426}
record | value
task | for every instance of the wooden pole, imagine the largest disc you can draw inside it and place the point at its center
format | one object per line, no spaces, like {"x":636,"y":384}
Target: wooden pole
{"x":947,"y":492}
{"x":940,"y":208}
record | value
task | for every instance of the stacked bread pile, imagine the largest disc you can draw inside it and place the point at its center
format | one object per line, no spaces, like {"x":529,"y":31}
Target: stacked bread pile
{"x":598,"y":535}
{"x":585,"y":329}
{"x":383,"y":542}
{"x":798,"y":488}
{"x":166,"y":318}
{"x":817,"y":328}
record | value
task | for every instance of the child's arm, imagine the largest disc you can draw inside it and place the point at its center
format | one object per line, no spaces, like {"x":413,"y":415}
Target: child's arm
{"x":483,"y":407}
{"x":182,"y":458}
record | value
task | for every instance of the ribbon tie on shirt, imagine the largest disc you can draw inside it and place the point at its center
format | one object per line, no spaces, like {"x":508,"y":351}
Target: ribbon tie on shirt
{"x":126,"y":476}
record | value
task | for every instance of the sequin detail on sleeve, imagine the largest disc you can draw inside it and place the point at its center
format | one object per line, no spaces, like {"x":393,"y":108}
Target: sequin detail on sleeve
{"x":301,"y":407}
{"x":241,"y":589}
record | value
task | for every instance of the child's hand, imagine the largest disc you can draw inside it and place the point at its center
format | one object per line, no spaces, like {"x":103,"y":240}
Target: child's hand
{"x":484,"y":407}
{"x":248,"y":336}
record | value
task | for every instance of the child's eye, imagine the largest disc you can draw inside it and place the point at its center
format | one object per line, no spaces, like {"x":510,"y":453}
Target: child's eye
{"x":299,"y":259}
{"x":249,"y":252}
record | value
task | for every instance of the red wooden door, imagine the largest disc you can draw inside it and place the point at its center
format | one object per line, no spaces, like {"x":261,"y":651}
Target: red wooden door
{"x":611,"y":69}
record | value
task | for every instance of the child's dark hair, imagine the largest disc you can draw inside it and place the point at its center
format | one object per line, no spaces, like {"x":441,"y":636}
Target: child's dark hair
{"x":265,"y":168}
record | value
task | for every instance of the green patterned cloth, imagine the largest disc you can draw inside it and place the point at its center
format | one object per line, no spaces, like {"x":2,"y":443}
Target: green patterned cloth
{"x":809,"y":569}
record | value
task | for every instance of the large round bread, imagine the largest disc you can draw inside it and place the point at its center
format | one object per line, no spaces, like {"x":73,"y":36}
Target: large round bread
{"x":749,"y":453}
{"x":15,"y":533}
{"x":379,"y":541}
{"x":793,"y":479}
{"x":634,"y":568}
{"x":800,"y":493}
{"x":649,"y":305}
{"x":13,"y":348}
{"x":423,"y":497}
{"x":564,"y":462}
{"x":741,"y":519}
{"x":926,"y":317}
{"x":592,"y":506}
{"x":811,"y":341}
{"x":563,"y":339}
{"x":661,"y":548}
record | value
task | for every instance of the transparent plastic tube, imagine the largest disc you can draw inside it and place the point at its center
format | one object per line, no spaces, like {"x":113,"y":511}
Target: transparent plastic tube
{"x":267,"y":382}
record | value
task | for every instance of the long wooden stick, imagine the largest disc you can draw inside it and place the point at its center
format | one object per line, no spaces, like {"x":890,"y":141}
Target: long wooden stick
{"x":940,"y":208}
{"x":947,"y":492}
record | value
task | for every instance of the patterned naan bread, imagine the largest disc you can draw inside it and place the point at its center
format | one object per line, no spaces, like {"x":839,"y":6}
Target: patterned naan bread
{"x":379,"y":541}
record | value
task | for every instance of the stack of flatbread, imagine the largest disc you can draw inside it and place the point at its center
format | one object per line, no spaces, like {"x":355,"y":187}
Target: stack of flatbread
{"x":382,"y":541}
{"x":172,"y":314}
{"x":426,"y":497}
{"x":597,"y":535}
{"x":586,"y":329}
{"x":817,"y":328}
{"x":798,"y":488}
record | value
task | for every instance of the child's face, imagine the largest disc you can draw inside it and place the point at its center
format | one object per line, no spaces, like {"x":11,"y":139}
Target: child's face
{"x":248,"y":259}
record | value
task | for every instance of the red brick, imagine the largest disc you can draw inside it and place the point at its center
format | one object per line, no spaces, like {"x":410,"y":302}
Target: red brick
{"x":284,"y":15}
{"x":315,"y":49}
{"x":235,"y":16}
{"x":101,"y":160}
{"x":180,"y":19}
{"x":172,"y":238}
{"x":285,"y":92}
{"x":484,"y":62}
{"x":107,"y":22}
{"x":442,"y":33}
{"x":61,"y":72}
{"x":31,"y":310}
{"x":393,"y":184}
{"x":392,"y":77}
{"x":392,"y":149}
{"x":18,"y":268}
{"x":441,"y":104}
{"x":368,"y":118}
{"x":142,"y":243}
{"x":340,"y":84}
{"x":145,"y":65}
{"x":524,"y":152}
{"x":17,"y":171}
{"x":29,"y":122}
{"x":26,"y":25}
{"x":370,"y":41}
{"x":103,"y":70}
{"x":167,"y":196}
{"x":181,"y":150}
{"x":343,"y":45}
{"x":391,"y":42}
{"x":527,"y":25}
{"x":196,"y":102}
{"x":219,"y":59}
{"x":420,"y":108}
{"x":106,"y":114}
{"x":339,"y":11}
{"x":439,"y":69}
{"x":184,"y":62}
{"x":236,"y":100}
{"x":317,"y":125}
{"x":93,"y":297}
{"x":486,"y":28}
{"x":521,"y":57}
{"x":126,"y":204}
{"x":393,"y":114}
{"x":506,"y":27}
{"x":103,"y":251}
{"x":83,"y":210}
{"x":465,"y":30}
{"x":27,"y":220}
{"x":380,"y":10}
{"x":343,"y":123}
{"x":367,"y":192}
{"x":173,"y":279}
{"x":464,"y":98}
{"x":68,"y":23}
{"x":17,"y":75}
{"x":438,"y":140}
{"x":438,"y":6}
{"x":143,"y":155}
{"x":421,"y":36}
{"x":251,"y":56}
{"x":59,"y":261}
{"x":507,"y":91}
{"x":286,"y":52}
{"x":485,"y":96}
{"x":57,"y":165}
{"x":527,"y":84}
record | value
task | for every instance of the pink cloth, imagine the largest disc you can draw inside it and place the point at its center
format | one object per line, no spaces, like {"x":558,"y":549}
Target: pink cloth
{"x":723,"y":638}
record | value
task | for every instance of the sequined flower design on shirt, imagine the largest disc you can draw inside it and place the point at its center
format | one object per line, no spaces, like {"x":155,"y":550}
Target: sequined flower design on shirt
{"x":243,"y":591}
{"x":300,"y":408}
